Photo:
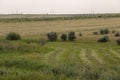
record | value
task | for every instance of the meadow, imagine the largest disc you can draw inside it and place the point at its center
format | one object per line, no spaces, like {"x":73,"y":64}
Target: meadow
{"x":81,"y":59}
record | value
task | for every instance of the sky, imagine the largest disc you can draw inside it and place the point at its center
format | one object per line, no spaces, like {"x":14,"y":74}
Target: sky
{"x":59,"y":6}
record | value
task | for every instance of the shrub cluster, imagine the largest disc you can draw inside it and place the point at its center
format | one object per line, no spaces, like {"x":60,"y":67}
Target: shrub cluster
{"x":13,"y":36}
{"x":52,"y":36}
{"x":104,"y":31}
{"x":103,"y":39}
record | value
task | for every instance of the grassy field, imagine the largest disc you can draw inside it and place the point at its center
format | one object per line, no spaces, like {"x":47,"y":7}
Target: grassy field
{"x":82,"y":59}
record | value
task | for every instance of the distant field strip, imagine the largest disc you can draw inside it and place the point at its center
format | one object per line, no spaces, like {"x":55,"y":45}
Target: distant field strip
{"x":42,"y":27}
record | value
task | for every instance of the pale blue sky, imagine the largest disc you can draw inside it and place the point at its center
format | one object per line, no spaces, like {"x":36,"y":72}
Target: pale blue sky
{"x":59,"y":6}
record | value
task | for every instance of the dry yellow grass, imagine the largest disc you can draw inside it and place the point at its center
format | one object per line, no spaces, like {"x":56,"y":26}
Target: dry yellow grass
{"x":43,"y":27}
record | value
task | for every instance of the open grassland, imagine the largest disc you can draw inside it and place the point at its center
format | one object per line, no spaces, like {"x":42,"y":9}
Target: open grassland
{"x":82,"y":59}
{"x":59,"y":61}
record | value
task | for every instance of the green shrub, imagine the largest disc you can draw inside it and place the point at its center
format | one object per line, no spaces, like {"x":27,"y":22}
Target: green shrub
{"x":71,"y":36}
{"x":104,"y":31}
{"x":113,"y":31}
{"x":52,"y":36}
{"x":117,"y":34}
{"x":64,"y":37}
{"x":42,"y":42}
{"x":118,"y":41}
{"x":13,"y":36}
{"x":95,"y":33}
{"x":80,"y":34}
{"x":103,"y":39}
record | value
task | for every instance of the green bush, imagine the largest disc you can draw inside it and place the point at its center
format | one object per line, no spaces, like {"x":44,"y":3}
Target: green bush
{"x":104,"y":31}
{"x":13,"y":36}
{"x":42,"y":42}
{"x":71,"y":36}
{"x":80,"y":34}
{"x":103,"y":39}
{"x":52,"y":36}
{"x":64,"y":37}
{"x":118,"y":41}
{"x":95,"y":33}
{"x":113,"y":31}
{"x":117,"y":34}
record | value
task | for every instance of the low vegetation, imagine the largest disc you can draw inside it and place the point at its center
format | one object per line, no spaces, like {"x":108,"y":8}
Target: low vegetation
{"x":103,"y":39}
{"x":52,"y":36}
{"x":118,"y":41}
{"x":64,"y":37}
{"x":28,"y":18}
{"x":71,"y":36}
{"x":13,"y":36}
{"x":117,"y":34}
{"x":113,"y":31}
{"x":104,"y":31}
{"x":80,"y":34}
{"x":95,"y":33}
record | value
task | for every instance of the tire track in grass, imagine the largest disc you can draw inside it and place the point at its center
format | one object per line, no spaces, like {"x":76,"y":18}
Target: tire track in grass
{"x":69,"y":55}
{"x":90,"y":57}
{"x":45,"y":57}
{"x":97,"y":57}
{"x":52,"y":57}
{"x":77,"y":57}
{"x":66,"y":56}
{"x":108,"y":57}
{"x":116,"y":54}
{"x":58,"y":57}
{"x":83,"y":56}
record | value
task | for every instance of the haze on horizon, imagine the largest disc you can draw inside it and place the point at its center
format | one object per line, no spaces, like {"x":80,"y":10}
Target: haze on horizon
{"x":59,"y":6}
